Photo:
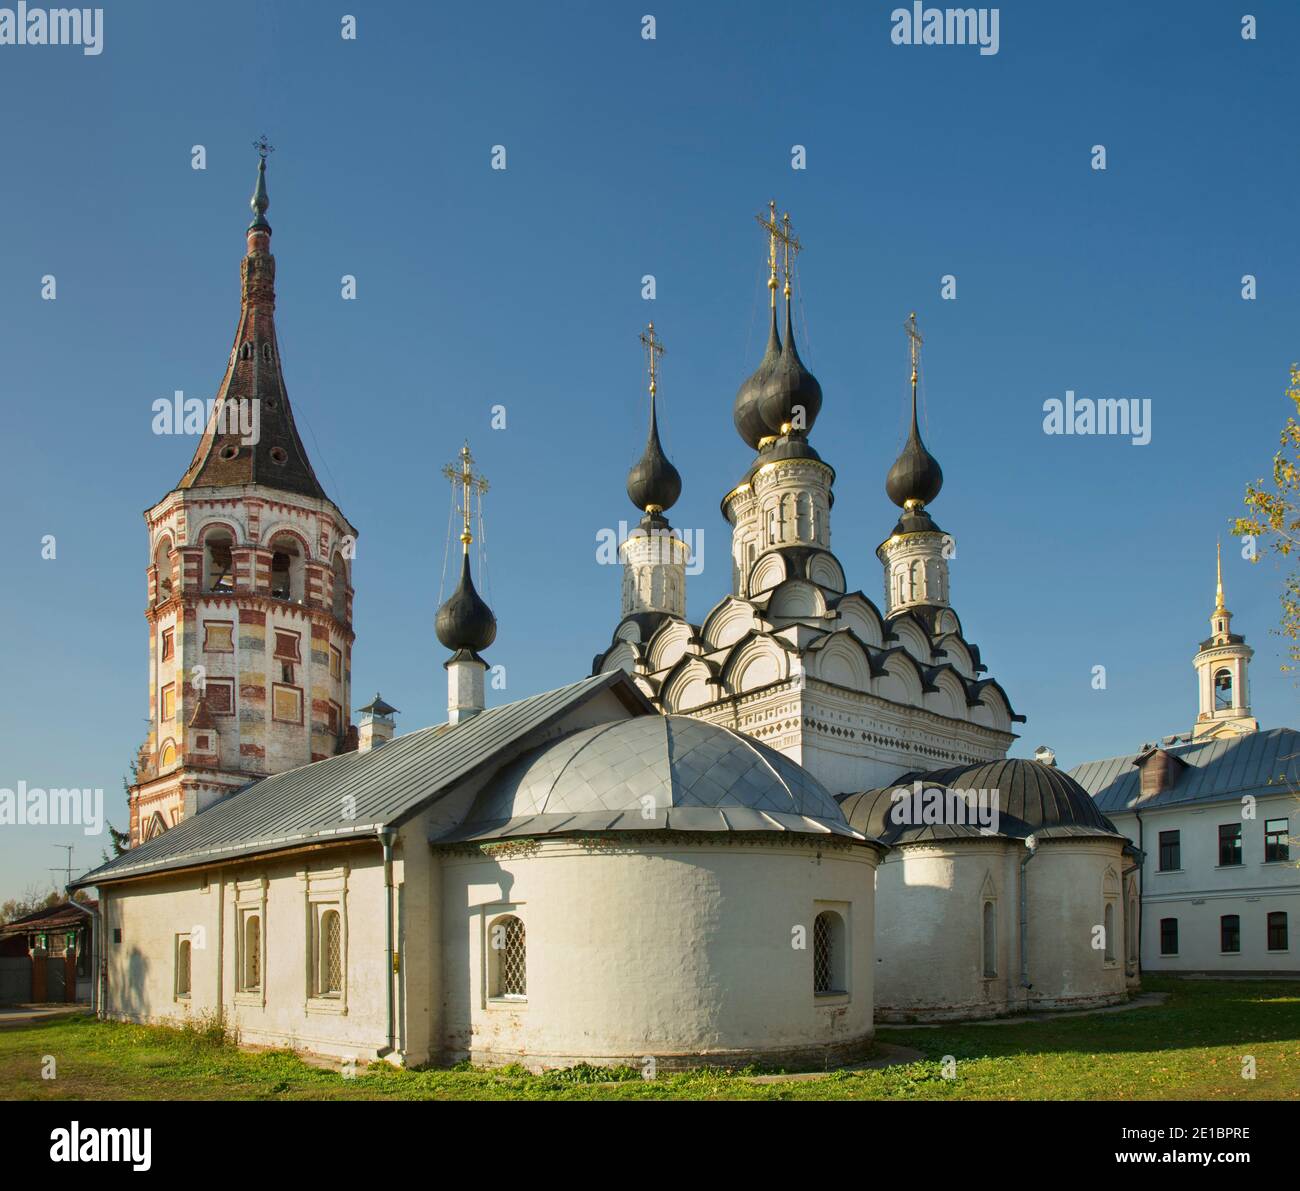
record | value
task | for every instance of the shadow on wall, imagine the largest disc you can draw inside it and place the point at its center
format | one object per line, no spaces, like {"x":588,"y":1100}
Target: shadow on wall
{"x":458,"y":1034}
{"x":128,"y":998}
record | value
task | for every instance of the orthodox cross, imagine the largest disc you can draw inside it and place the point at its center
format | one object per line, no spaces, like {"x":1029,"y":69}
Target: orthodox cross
{"x":654,"y":348}
{"x":778,"y":233}
{"x":263,"y":146}
{"x":914,"y":345}
{"x":463,"y":473}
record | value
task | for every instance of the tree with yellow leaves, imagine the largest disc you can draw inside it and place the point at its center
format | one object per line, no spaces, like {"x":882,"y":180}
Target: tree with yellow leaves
{"x":1274,"y":519}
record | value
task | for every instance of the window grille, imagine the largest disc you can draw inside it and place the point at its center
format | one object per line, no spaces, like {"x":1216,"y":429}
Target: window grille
{"x":822,"y":954}
{"x":511,"y":957}
{"x":331,"y":953}
{"x":252,"y":953}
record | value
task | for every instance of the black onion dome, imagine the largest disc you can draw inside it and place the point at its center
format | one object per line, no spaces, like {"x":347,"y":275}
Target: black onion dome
{"x":916,"y":474}
{"x":653,"y":480}
{"x":789,"y":386}
{"x":465,"y":621}
{"x":1032,"y":799}
{"x":746,"y":413}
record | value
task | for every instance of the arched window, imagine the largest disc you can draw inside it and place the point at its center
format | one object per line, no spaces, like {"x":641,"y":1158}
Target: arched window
{"x":286,"y":568}
{"x":1131,"y":930}
{"x":803,"y":526}
{"x":1108,"y":926}
{"x":183,"y":967}
{"x":218,"y":565}
{"x":252,"y":953}
{"x":828,"y":953}
{"x":990,"y":940}
{"x":507,"y":959}
{"x":1222,"y":690}
{"x":340,"y":589}
{"x":163,"y":561}
{"x":331,"y":954}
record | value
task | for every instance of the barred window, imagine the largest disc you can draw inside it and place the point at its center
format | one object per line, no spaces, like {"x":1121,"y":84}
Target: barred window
{"x":1108,"y":929}
{"x":331,"y":954}
{"x":508,"y":958}
{"x":252,"y":953}
{"x":183,"y":966}
{"x":828,"y":953}
{"x":990,"y":940}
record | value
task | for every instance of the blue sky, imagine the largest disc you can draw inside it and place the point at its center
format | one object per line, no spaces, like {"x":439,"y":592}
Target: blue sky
{"x":522,"y":287}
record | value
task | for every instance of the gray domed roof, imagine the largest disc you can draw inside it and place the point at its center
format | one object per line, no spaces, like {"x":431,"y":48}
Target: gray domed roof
{"x":653,"y":772}
{"x":1032,"y":799}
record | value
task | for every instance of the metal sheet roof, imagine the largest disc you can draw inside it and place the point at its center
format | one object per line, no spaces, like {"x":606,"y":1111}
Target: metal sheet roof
{"x":1219,"y":770}
{"x":665,"y":773}
{"x":375,"y":788}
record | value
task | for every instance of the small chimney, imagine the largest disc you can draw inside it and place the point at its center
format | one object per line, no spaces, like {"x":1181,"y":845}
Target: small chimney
{"x":376,"y":725}
{"x":1045,"y":756}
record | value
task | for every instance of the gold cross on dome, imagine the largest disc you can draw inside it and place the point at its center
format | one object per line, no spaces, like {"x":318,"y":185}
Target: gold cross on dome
{"x":462,"y":473}
{"x":778,"y":233}
{"x":654,"y":348}
{"x":263,"y":146}
{"x":914,"y":342}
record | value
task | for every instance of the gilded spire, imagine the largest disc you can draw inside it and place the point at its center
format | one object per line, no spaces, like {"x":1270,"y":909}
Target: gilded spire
{"x":916,"y":477}
{"x":1218,"y":585}
{"x":465,"y":623}
{"x":462,"y":472}
{"x":653,"y":484}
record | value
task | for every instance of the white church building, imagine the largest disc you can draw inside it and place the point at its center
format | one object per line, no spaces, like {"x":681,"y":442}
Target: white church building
{"x":738,"y":841}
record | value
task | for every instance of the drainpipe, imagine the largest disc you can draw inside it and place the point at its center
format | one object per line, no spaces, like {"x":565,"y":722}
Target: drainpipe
{"x":1142,"y":888}
{"x":1123,"y":877}
{"x":1031,"y":850}
{"x":101,"y":956}
{"x":387,"y":837}
{"x":96,"y":935}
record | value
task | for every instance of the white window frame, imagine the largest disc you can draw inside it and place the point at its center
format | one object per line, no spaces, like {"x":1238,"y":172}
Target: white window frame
{"x":250,"y":899}
{"x":491,"y":917}
{"x":835,"y":996}
{"x":324,"y":890}
{"x":183,"y":939}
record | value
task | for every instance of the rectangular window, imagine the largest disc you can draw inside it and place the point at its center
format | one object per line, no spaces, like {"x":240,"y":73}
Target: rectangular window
{"x":286,"y":646}
{"x":1277,"y":933}
{"x":1275,"y":840}
{"x":336,"y":663}
{"x":1230,"y":933}
{"x":1171,"y":851}
{"x":335,"y":719}
{"x":167,"y":704}
{"x":1169,"y":936}
{"x":286,"y":703}
{"x":168,"y":644}
{"x":219,"y":636}
{"x":1229,"y":844}
{"x":220,"y":696}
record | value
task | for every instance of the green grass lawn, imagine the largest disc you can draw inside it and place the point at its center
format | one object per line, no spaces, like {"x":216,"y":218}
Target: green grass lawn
{"x":1192,"y":1047}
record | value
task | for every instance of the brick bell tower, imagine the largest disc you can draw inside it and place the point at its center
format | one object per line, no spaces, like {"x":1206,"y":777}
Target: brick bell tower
{"x":250,"y":596}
